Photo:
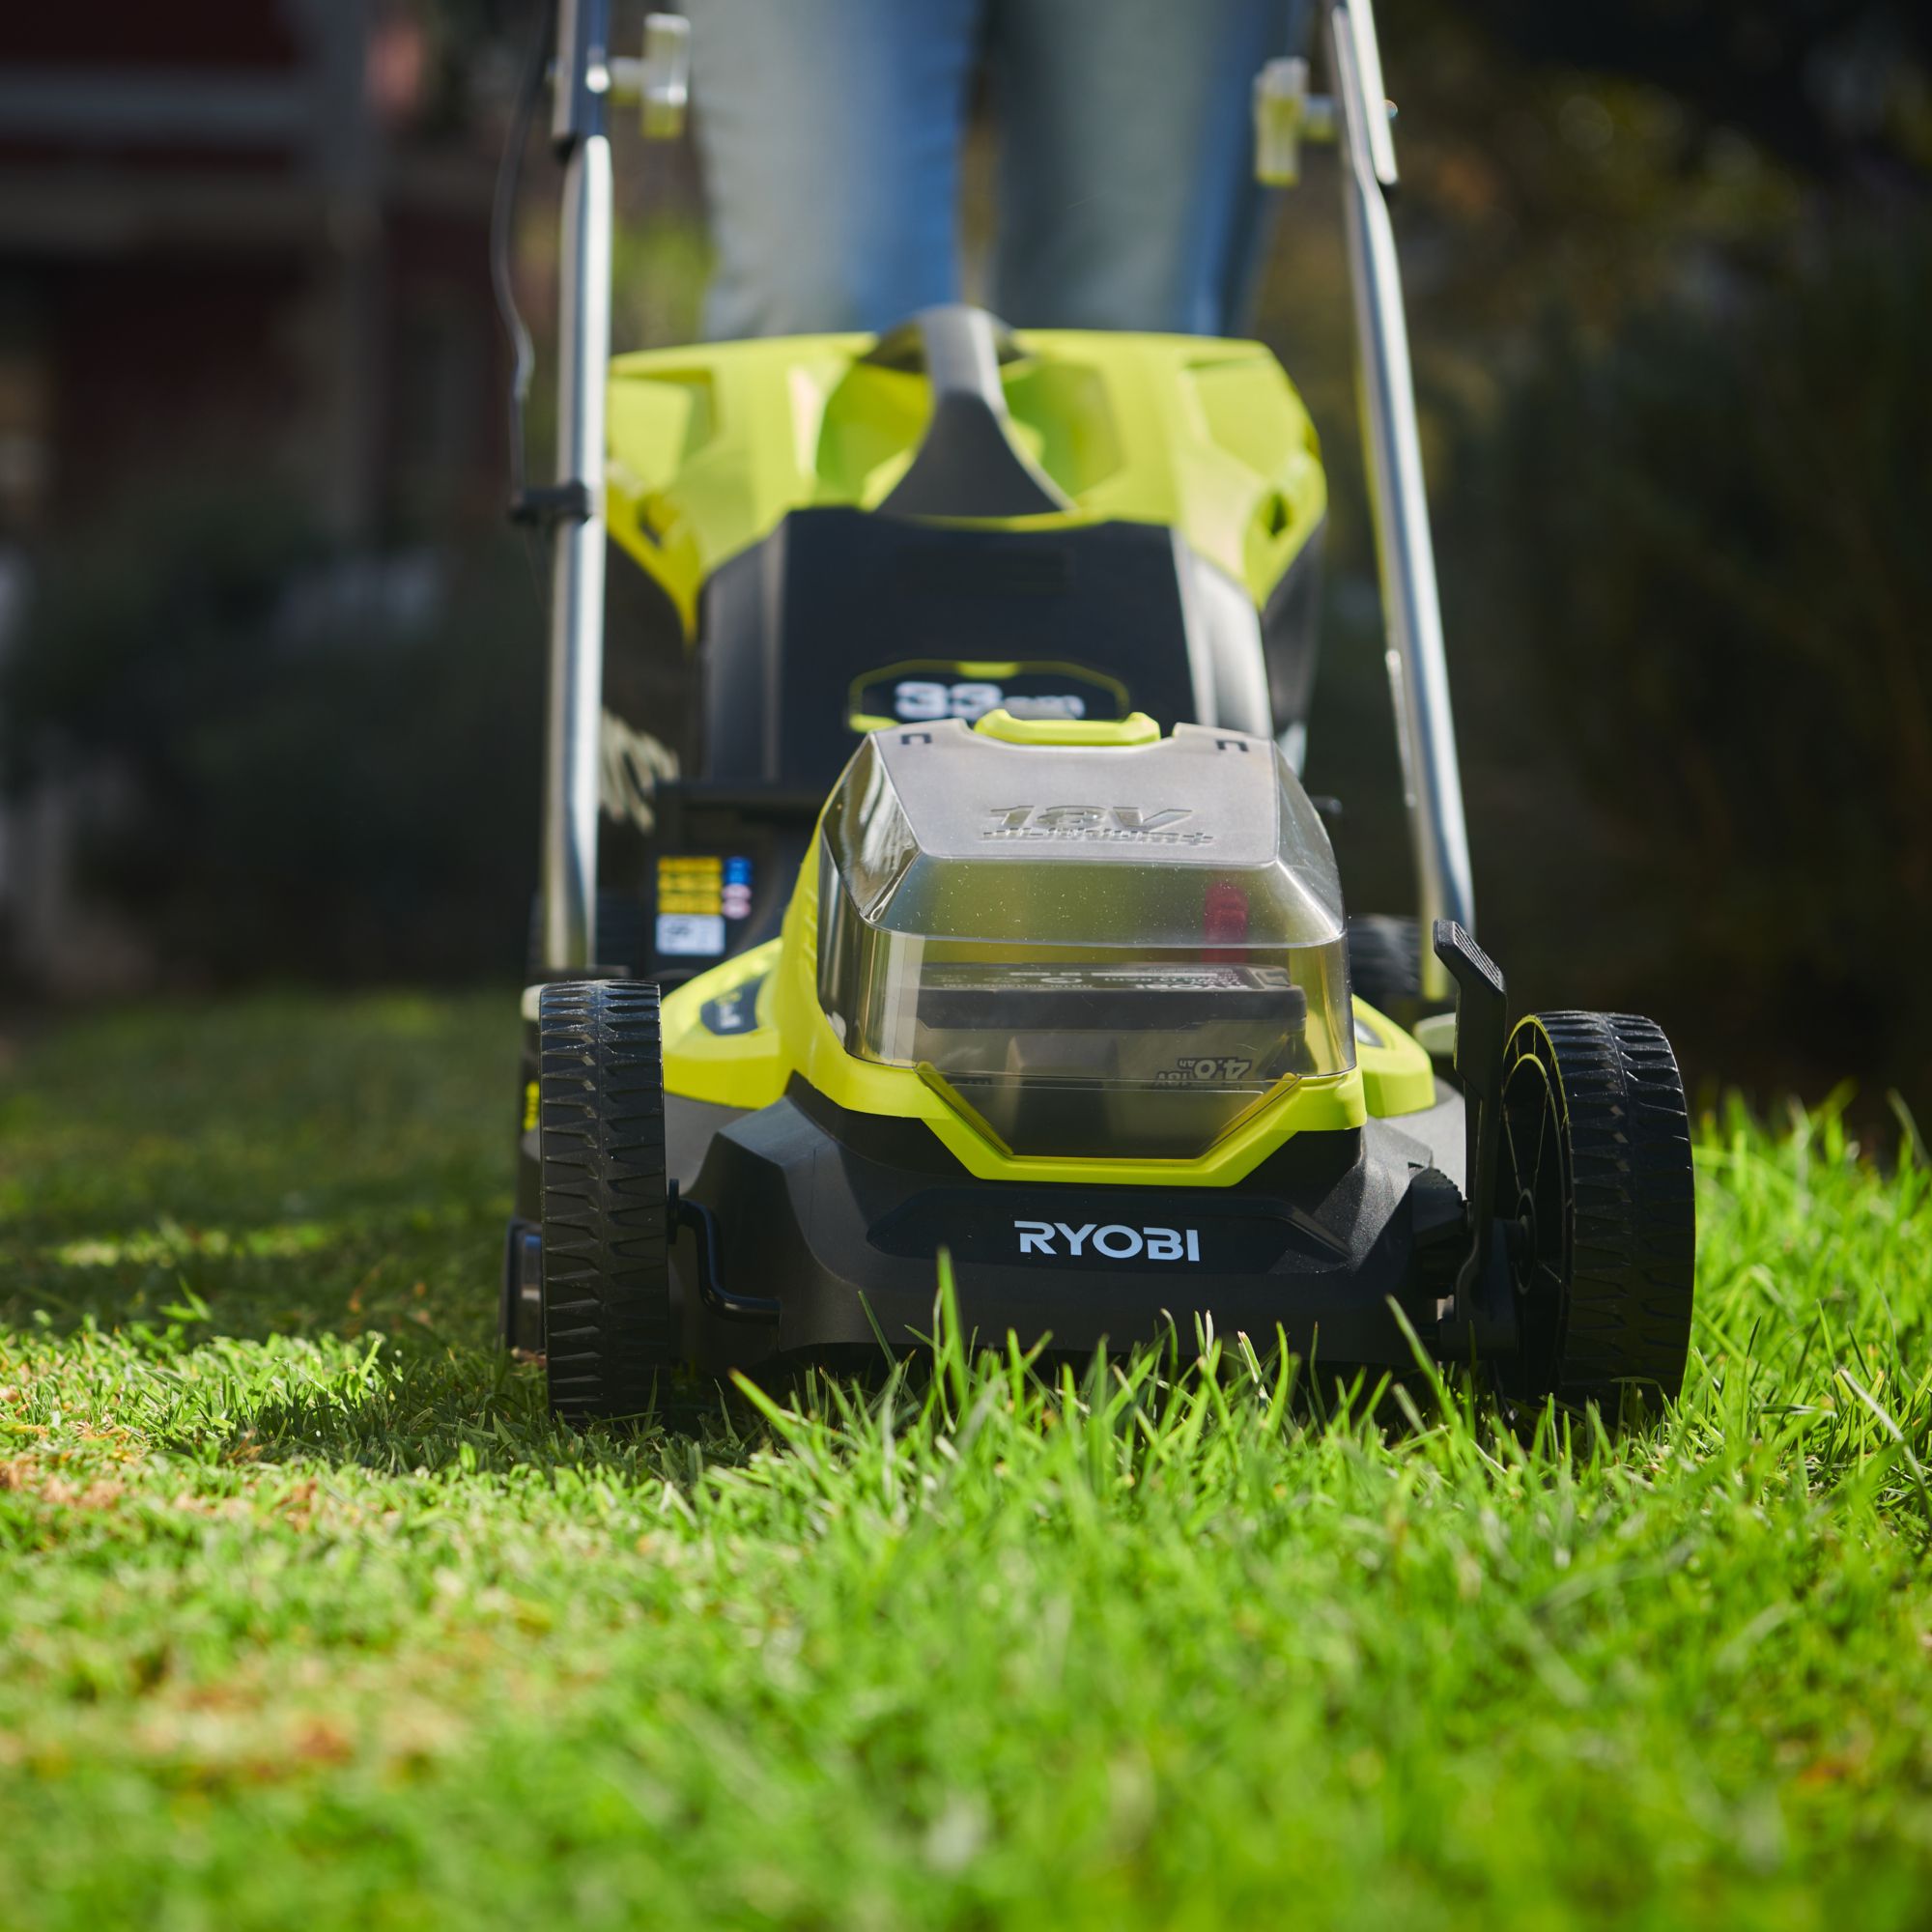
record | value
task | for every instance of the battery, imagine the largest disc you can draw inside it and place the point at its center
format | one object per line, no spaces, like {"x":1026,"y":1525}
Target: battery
{"x":1142,"y":997}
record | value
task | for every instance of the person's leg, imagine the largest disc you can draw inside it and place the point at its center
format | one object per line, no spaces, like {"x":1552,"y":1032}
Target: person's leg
{"x":1127,"y":197}
{"x":829,"y":132}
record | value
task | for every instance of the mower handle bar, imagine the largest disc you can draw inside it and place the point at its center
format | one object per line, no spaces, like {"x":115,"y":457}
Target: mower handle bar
{"x":1418,"y":670}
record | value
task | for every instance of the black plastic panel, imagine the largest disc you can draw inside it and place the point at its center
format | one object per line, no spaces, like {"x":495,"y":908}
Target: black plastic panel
{"x":834,"y":597}
{"x":844,"y":1218}
{"x":1290,"y":627}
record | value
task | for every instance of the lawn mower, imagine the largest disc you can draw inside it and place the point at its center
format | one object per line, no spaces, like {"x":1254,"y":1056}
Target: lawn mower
{"x":926,"y":870}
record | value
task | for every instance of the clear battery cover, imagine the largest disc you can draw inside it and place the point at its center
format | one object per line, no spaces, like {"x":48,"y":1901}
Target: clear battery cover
{"x":1099,"y":949}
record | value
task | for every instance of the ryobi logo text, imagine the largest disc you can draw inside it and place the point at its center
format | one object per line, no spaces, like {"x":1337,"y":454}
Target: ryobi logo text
{"x":1114,"y":1240}
{"x":1129,"y":824}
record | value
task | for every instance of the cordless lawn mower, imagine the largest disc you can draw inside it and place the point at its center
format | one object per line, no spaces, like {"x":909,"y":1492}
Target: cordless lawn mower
{"x":956,"y":891}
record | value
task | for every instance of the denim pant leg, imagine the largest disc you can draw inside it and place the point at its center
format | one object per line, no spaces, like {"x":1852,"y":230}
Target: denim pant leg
{"x":830,"y":135}
{"x":1127,"y":197}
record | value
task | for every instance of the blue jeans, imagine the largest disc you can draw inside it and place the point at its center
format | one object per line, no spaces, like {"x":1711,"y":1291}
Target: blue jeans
{"x":831,"y":130}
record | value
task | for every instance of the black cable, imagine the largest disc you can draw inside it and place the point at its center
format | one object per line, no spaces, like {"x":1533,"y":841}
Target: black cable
{"x":502,"y":218}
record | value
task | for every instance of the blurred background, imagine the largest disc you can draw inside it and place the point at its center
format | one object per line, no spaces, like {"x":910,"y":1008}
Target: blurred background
{"x":271,"y":661}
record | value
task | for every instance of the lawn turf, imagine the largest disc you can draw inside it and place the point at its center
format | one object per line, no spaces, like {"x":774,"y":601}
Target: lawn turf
{"x":309,"y":1617}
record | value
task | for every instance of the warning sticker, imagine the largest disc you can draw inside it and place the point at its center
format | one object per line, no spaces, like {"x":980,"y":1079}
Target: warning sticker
{"x":690,"y":882}
{"x":691,"y":935}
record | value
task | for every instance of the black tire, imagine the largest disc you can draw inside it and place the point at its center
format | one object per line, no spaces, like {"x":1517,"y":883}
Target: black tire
{"x":610,"y":1323}
{"x":1596,"y":1204}
{"x":1385,"y":963}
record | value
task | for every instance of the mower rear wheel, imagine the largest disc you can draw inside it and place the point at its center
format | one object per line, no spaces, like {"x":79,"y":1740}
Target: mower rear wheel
{"x":1596,"y":1204}
{"x":1385,"y":963}
{"x":610,"y":1323}
{"x":623,"y":935}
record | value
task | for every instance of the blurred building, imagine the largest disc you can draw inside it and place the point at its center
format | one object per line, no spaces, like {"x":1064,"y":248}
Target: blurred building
{"x":244,"y":253}
{"x":242,"y":234}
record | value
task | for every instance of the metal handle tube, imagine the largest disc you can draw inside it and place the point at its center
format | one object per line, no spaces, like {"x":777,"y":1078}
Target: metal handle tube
{"x":573,"y":748}
{"x":573,"y":742}
{"x":1418,"y":673}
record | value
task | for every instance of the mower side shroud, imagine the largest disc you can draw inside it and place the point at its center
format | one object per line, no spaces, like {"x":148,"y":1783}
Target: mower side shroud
{"x":1315,"y":1242}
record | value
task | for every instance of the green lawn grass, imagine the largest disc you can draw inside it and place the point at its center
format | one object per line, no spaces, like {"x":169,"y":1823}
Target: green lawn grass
{"x":309,"y":1618}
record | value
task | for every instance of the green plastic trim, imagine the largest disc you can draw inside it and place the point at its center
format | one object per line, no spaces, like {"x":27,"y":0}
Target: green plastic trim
{"x":1135,"y":728}
{"x":709,"y":448}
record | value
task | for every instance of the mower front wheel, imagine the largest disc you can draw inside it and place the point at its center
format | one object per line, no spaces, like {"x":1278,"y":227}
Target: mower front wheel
{"x":609,"y":1321}
{"x":1596,"y":1204}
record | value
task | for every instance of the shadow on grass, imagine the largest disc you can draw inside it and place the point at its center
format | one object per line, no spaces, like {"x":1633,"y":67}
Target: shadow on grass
{"x":280,"y":1156}
{"x":210,"y":1182}
{"x":412,"y":1409}
{"x":433,"y":1272}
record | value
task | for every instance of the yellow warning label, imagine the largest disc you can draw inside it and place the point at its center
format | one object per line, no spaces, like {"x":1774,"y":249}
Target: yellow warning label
{"x":691,"y":883}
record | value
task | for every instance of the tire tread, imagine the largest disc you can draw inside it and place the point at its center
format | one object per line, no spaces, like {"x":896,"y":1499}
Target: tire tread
{"x":609,"y":1321}
{"x":1633,"y":1208}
